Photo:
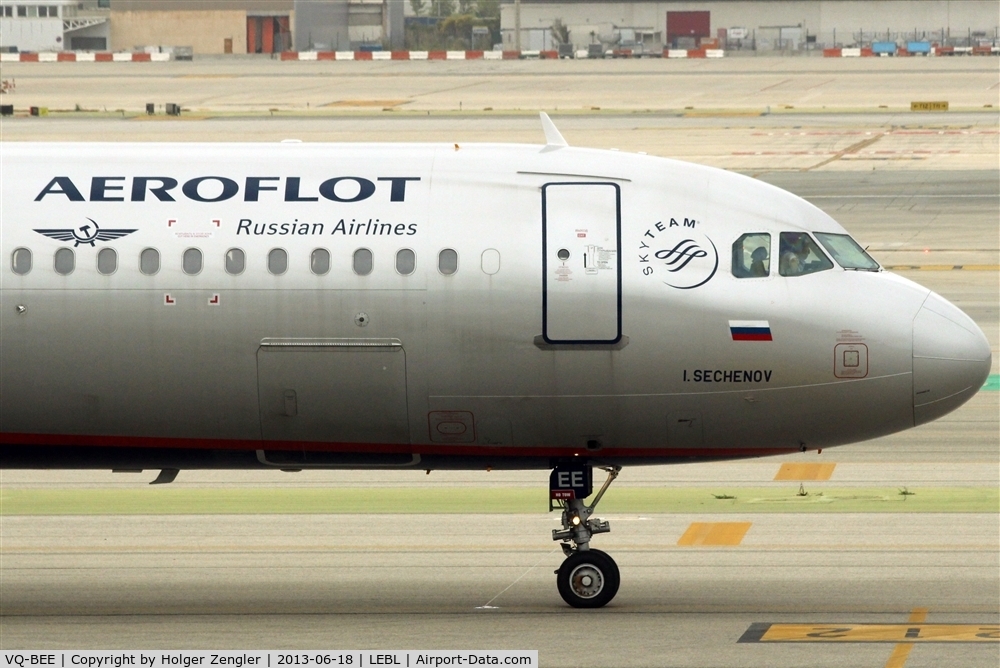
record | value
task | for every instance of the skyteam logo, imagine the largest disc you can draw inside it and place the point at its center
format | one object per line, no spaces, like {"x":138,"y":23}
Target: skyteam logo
{"x":85,"y":234}
{"x":678,"y":254}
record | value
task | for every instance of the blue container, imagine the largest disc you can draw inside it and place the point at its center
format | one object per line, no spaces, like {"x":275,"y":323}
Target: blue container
{"x":918,"y":47}
{"x":883,"y":47}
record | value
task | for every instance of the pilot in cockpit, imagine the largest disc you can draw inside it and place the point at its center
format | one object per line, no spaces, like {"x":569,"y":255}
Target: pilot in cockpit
{"x":794,"y":251}
{"x":758,"y":264}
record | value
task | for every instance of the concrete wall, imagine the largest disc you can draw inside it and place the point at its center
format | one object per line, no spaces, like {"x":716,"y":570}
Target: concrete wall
{"x":206,"y":31}
{"x":816,"y":17}
{"x":32,"y":34}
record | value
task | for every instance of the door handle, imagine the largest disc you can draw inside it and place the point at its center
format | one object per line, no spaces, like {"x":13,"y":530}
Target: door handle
{"x":291,"y":403}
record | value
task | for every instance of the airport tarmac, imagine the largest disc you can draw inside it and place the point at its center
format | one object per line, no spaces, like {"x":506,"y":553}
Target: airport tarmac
{"x":740,"y":113}
{"x":425,"y":581}
{"x":922,"y":190}
{"x":735,"y":84}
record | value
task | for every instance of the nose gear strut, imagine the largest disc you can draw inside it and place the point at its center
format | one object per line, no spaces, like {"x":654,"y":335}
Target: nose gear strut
{"x":588,"y":578}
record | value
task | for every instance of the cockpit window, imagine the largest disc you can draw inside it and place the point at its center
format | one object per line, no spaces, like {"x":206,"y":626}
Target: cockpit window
{"x":847,"y":252}
{"x":752,"y":255}
{"x":799,"y":255}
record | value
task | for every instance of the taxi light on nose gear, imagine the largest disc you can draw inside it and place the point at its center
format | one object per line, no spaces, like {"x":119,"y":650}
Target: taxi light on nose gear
{"x":577,"y":525}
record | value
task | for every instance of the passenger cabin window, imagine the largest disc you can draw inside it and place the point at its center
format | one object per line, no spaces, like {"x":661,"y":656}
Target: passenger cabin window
{"x":363,"y":262}
{"x":107,"y":261}
{"x":65,"y":261}
{"x":448,"y":262}
{"x":752,"y":255}
{"x":847,"y":252}
{"x":406,"y":261}
{"x":192,"y":261}
{"x":149,"y":261}
{"x":20,"y":261}
{"x":236,"y":261}
{"x":799,"y":255}
{"x":277,"y":261}
{"x":319,"y":261}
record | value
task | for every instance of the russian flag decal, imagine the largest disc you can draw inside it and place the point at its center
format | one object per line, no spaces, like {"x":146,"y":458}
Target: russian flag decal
{"x":750,"y":330}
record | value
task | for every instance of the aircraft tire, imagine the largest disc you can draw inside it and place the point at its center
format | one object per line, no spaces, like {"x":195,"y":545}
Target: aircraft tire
{"x":588,"y":579}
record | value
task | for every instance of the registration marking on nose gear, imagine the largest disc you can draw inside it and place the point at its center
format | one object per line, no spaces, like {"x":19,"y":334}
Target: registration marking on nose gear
{"x":714,"y":533}
{"x":805,"y":472}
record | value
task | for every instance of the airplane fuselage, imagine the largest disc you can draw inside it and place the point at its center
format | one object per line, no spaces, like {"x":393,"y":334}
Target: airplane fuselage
{"x":435,"y":306}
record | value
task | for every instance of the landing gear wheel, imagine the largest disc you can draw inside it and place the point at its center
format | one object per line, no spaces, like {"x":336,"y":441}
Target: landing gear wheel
{"x":588,"y":579}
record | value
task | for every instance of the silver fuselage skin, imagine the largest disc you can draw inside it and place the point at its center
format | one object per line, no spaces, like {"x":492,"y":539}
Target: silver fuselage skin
{"x":591,"y":315}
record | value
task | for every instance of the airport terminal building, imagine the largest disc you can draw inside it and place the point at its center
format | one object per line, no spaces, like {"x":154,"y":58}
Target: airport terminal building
{"x":641,"y":26}
{"x":206,"y":26}
{"x":764,"y":25}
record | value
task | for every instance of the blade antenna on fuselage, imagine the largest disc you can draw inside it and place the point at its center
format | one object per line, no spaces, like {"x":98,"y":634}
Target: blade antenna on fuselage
{"x":553,"y":138}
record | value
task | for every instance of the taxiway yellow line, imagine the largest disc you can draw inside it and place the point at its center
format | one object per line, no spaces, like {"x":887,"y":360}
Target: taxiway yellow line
{"x":714,"y":533}
{"x":805,"y":472}
{"x":902,"y":651}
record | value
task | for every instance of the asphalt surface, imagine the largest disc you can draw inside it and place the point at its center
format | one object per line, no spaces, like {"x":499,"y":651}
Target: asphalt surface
{"x":348,"y":581}
{"x":923,"y":191}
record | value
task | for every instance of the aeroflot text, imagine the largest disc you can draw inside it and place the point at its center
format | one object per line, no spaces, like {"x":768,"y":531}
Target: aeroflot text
{"x":222,"y":188}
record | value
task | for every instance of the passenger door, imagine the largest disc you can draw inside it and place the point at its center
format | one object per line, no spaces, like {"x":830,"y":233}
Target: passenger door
{"x":581,"y":271}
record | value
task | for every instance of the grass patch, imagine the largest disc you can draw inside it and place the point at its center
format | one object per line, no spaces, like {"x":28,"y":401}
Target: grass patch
{"x":184,"y":501}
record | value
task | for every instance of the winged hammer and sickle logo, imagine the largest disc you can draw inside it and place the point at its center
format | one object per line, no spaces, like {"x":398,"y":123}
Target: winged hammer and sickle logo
{"x":84,"y":234}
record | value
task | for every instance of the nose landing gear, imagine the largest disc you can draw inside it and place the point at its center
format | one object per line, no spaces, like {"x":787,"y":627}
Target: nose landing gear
{"x":588,"y":578}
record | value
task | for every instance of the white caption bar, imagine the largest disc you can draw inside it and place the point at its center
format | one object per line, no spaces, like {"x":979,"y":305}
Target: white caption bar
{"x":268,"y":659}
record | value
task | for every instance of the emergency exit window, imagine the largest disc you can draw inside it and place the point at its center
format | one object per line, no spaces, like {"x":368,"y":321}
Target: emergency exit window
{"x":236,"y":261}
{"x":149,"y":261}
{"x":192,"y":261}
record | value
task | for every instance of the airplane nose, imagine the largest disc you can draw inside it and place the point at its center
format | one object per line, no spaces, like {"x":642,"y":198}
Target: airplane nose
{"x":951,"y":359}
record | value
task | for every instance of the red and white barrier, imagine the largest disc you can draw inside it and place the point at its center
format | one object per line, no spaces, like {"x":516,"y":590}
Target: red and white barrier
{"x":693,"y":53}
{"x":935,"y":51}
{"x":138,"y":57}
{"x":71,"y":56}
{"x":415,"y":55}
